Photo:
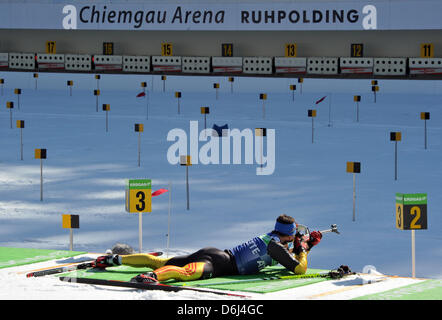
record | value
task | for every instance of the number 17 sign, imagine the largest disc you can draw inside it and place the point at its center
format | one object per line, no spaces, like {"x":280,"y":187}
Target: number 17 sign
{"x":138,"y":195}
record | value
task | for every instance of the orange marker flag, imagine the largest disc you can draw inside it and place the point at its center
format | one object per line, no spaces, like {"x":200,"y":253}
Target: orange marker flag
{"x":141,"y":94}
{"x":158,"y":192}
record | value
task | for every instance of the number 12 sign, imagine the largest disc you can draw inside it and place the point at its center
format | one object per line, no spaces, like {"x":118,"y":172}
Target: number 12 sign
{"x":411,"y":211}
{"x":138,"y":195}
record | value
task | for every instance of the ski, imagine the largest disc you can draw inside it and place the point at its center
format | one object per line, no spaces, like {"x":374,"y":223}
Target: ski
{"x":145,"y":286}
{"x":47,"y":272}
{"x":331,"y":275}
{"x":73,"y":267}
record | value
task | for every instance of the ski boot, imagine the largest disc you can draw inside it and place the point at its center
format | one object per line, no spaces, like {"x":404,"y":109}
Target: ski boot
{"x":107,"y":261}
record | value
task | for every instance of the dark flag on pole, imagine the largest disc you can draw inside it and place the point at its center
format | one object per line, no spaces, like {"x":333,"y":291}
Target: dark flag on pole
{"x":141,"y":94}
{"x":320,"y":100}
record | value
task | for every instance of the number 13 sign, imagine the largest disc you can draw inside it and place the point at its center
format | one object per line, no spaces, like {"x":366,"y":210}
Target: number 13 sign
{"x":138,"y":195}
{"x":411,"y":211}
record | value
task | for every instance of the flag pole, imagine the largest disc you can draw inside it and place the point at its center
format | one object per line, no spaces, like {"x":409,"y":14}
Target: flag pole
{"x":168,"y":219}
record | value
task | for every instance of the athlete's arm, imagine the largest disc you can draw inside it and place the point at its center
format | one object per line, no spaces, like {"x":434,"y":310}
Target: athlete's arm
{"x":278,"y":252}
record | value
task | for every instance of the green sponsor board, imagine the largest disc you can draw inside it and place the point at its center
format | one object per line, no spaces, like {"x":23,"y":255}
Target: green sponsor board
{"x":414,"y":198}
{"x":138,"y":184}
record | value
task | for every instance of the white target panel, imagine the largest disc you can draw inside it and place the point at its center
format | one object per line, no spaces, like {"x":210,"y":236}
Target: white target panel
{"x":390,"y":66}
{"x":78,"y":62}
{"x":425,"y":65}
{"x":322,"y":65}
{"x":166,"y":64}
{"x":108,"y":62}
{"x":195,"y":64}
{"x":136,"y":63}
{"x":4,"y":60}
{"x":50,"y":61}
{"x":23,"y":61}
{"x":227,"y":64}
{"x":257,"y":65}
{"x":290,"y":65}
{"x":356,"y":65}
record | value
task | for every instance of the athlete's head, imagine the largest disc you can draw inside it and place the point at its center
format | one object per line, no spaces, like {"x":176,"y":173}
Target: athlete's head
{"x":285,"y":227}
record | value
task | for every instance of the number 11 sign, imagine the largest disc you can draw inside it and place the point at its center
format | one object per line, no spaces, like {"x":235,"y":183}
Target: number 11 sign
{"x":139,"y":199}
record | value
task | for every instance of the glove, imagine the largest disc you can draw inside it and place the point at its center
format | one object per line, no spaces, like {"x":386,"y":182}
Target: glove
{"x":107,"y":261}
{"x":315,"y":238}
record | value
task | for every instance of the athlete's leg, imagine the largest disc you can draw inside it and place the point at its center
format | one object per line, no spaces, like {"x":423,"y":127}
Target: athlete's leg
{"x":189,"y":272}
{"x":144,"y":260}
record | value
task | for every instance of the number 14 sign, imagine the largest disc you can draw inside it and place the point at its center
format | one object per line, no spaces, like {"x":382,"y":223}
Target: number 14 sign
{"x":138,"y":195}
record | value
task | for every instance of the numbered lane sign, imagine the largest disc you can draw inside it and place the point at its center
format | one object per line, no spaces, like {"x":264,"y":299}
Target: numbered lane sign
{"x":427,"y":50}
{"x":51,"y":47}
{"x":291,"y":50}
{"x":108,"y":48}
{"x":166,"y":49}
{"x":138,"y":195}
{"x":411,"y":211}
{"x":227,"y":50}
{"x":357,"y":50}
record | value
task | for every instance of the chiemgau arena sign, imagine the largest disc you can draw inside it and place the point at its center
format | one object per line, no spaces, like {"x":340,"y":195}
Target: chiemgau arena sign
{"x":216,"y":15}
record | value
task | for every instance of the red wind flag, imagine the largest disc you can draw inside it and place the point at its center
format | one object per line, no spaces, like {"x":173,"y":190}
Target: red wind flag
{"x":320,"y":100}
{"x":158,"y":192}
{"x":141,"y":94}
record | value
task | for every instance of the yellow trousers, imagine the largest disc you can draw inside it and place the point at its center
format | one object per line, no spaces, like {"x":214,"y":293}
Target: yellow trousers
{"x":189,"y":272}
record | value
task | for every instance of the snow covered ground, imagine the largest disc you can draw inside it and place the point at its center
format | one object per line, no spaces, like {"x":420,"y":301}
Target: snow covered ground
{"x":16,"y":286}
{"x":86,"y":168}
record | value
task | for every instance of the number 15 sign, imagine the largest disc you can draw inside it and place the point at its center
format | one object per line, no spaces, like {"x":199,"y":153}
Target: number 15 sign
{"x":138,"y":195}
